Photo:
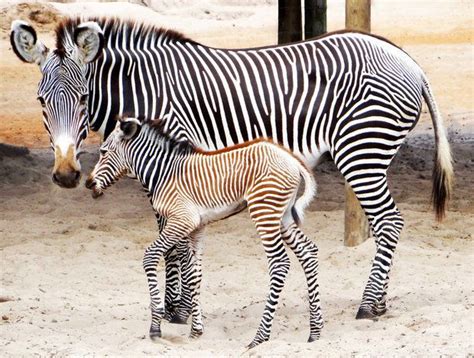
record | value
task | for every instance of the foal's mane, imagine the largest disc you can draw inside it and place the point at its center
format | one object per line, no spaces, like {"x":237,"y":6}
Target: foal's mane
{"x":113,"y":26}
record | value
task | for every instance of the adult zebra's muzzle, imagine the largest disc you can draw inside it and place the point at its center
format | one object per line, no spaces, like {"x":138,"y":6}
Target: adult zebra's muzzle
{"x":69,"y":179}
{"x":67,"y":170}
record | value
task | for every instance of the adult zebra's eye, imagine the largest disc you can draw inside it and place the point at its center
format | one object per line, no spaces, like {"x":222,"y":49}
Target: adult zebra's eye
{"x":41,"y":99}
{"x":83,"y":99}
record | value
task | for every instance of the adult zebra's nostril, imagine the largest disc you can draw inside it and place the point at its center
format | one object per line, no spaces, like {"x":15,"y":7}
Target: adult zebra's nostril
{"x":55,"y":179}
{"x":77,"y":175}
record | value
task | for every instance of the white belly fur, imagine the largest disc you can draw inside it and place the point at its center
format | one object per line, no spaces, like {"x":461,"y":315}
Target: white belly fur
{"x":213,"y":214}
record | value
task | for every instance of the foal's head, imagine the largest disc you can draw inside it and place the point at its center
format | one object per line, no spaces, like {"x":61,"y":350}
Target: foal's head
{"x":112,"y":164}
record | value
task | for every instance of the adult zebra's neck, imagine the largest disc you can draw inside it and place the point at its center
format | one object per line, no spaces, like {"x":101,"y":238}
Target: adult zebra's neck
{"x":135,"y":74}
{"x":154,"y":156}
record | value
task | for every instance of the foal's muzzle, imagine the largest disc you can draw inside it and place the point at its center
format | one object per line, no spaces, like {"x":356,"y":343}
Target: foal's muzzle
{"x":90,"y":184}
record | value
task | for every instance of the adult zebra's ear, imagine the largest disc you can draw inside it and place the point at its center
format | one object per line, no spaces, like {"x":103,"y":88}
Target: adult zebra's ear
{"x":89,"y":39}
{"x":25,"y":43}
{"x":129,"y":127}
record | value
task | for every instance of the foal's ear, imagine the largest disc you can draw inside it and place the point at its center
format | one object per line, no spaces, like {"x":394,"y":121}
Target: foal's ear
{"x":129,"y":127}
{"x":25,"y":45}
{"x":89,"y":39}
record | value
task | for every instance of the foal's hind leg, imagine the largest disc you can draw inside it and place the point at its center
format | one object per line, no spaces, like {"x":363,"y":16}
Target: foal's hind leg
{"x":307,"y":253}
{"x":266,"y":209}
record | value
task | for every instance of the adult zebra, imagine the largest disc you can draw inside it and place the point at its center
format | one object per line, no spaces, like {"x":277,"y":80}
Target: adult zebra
{"x":353,"y":95}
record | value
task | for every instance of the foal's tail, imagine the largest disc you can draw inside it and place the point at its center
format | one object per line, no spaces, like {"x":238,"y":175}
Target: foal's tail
{"x":443,"y":168}
{"x":309,"y":192}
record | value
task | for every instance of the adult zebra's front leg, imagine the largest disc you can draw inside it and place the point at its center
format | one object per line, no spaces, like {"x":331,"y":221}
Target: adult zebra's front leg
{"x":173,"y":231}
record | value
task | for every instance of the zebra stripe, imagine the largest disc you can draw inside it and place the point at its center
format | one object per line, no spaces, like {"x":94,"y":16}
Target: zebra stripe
{"x":190,"y":188}
{"x":351,"y":95}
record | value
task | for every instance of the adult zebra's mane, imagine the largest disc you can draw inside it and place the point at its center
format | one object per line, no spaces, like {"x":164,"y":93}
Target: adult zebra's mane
{"x":113,"y":27}
{"x":157,"y":126}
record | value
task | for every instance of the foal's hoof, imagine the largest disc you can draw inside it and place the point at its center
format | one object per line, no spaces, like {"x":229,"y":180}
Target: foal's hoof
{"x":177,"y":319}
{"x":196,"y":333}
{"x":155,"y":334}
{"x":380,"y":311}
{"x":256,"y":342}
{"x":365,"y":313}
{"x":313,"y":338}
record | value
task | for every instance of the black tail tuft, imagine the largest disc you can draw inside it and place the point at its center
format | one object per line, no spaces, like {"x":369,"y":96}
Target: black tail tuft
{"x":441,"y":192}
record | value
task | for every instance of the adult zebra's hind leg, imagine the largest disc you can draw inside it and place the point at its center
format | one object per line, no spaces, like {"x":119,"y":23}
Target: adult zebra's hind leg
{"x":386,"y":223}
{"x":307,"y":253}
{"x":363,"y":150}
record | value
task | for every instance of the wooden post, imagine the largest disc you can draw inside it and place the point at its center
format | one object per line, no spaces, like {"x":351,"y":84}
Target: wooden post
{"x":358,"y":15}
{"x":315,"y":18}
{"x":356,"y":227}
{"x":289,"y":21}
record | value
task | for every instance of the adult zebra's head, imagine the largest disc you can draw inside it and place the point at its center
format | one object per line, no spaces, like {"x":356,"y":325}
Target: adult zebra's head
{"x":112,"y":163}
{"x":63,"y":89}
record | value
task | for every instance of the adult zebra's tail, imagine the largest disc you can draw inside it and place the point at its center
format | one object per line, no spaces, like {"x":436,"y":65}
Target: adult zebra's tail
{"x":443,"y":168}
{"x":309,"y":192}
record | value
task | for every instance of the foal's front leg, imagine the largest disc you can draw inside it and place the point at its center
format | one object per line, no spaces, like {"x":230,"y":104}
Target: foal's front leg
{"x":173,"y":277}
{"x":169,"y":236}
{"x":194,"y":280}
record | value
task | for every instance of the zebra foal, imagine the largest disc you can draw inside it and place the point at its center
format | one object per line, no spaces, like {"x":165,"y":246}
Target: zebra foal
{"x":190,"y":188}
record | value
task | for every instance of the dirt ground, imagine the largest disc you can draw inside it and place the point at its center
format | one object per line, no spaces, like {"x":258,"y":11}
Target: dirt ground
{"x":71,"y":275}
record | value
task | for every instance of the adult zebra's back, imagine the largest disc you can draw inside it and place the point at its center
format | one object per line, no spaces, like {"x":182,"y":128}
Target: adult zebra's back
{"x":353,"y":95}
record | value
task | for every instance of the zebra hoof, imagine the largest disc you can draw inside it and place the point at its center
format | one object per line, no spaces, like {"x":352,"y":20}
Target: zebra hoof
{"x":365,"y":313}
{"x":196,"y":333}
{"x":255,"y":343}
{"x":313,"y":338}
{"x":380,"y":311}
{"x":177,"y":319}
{"x":170,"y":312}
{"x":155,"y":334}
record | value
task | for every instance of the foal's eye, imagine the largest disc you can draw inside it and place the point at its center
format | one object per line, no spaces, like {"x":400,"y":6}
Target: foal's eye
{"x":103,"y":151}
{"x":41,"y":100}
{"x":83,"y":99}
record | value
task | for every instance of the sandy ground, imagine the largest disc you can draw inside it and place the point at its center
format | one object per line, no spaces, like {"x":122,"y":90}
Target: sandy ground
{"x":71,"y":275}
